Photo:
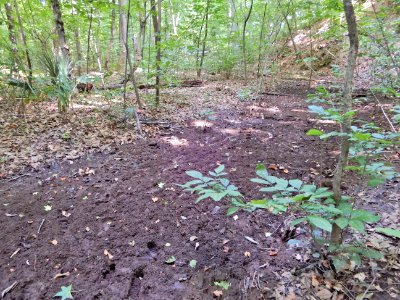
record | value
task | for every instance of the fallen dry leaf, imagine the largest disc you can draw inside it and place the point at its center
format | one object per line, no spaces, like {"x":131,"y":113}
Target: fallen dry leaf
{"x":60,"y":275}
{"x":324,"y":294}
{"x":106,"y":253}
{"x":273,"y":167}
{"x":218,"y":293}
{"x":272,"y":252}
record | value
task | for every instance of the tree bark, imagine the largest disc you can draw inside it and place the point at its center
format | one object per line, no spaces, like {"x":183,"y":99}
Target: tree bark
{"x":64,"y":50}
{"x":336,"y":236}
{"x":285,"y":16}
{"x":244,"y":38}
{"x":156,"y":15}
{"x":12,"y":37}
{"x":123,"y":25}
{"x":22,"y":32}
{"x":203,"y":50}
{"x":112,"y":36}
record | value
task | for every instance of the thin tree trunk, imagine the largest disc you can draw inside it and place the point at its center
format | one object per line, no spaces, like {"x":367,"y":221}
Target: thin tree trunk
{"x":260,"y":42}
{"x":156,"y":14}
{"x":98,"y":54}
{"x":60,"y":29}
{"x":88,"y":39}
{"x":27,"y":55}
{"x":132,"y":76}
{"x":244,"y":38}
{"x":123,"y":25}
{"x":112,"y":36}
{"x":77,"y":45}
{"x":336,"y":236}
{"x":203,"y":50}
{"x":12,"y":37}
{"x":285,"y":16}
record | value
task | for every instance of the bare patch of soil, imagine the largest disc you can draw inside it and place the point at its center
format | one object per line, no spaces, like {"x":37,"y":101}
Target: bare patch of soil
{"x":117,"y":216}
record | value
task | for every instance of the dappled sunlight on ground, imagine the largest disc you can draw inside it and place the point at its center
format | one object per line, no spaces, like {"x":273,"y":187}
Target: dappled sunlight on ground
{"x":176,"y":142}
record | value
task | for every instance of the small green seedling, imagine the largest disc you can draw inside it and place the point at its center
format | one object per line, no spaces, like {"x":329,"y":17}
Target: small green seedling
{"x":170,"y":260}
{"x":222,"y":284}
{"x":193,"y":263}
{"x":65,"y":293}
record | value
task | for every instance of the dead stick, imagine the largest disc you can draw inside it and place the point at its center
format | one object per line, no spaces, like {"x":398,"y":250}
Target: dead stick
{"x":40,"y":226}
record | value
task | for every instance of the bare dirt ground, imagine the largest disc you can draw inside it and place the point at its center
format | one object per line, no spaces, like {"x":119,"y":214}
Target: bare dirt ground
{"x":107,"y":222}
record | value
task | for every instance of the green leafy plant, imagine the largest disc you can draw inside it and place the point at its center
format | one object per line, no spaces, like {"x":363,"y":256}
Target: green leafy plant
{"x":213,"y":186}
{"x":62,"y":86}
{"x":368,"y":142}
{"x":65,"y":293}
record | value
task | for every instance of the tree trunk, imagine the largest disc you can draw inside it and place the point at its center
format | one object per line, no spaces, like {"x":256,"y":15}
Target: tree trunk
{"x":77,"y":45}
{"x":123,"y":25}
{"x":27,"y":55}
{"x":203,"y":50}
{"x":12,"y":37}
{"x":64,"y":50}
{"x":244,"y":39}
{"x":88,"y":40}
{"x":336,"y":236}
{"x":261,"y":39}
{"x":156,"y":14}
{"x":285,"y":16}
{"x":112,"y":36}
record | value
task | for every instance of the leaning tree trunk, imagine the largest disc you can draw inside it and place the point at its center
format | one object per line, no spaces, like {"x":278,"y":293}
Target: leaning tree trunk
{"x":336,"y":236}
{"x":12,"y":37}
{"x":60,"y":29}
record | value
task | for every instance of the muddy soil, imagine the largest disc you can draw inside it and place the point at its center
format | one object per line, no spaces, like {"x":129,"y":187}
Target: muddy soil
{"x":116,"y":217}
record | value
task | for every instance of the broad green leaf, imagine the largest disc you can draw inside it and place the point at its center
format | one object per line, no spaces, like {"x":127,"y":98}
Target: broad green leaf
{"x":342,"y":222}
{"x":219,"y":169}
{"x":65,"y":293}
{"x":281,"y":184}
{"x":261,"y":171}
{"x":314,"y":132}
{"x":389,"y":231}
{"x":297,"y":221}
{"x":320,"y":222}
{"x":296,"y":183}
{"x":364,"y":216}
{"x":375,"y":181}
{"x":259,"y":180}
{"x":232,"y":210}
{"x":371,"y":253}
{"x":194,"y":174}
{"x":357,"y":225}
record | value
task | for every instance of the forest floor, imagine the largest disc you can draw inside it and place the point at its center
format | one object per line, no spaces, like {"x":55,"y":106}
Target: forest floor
{"x":93,"y":206}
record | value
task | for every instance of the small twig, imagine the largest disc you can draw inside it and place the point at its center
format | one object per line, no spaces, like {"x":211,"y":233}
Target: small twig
{"x":15,"y":252}
{"x":8,"y":289}
{"x":277,"y":228}
{"x":384,"y":113}
{"x":40,"y":226}
{"x":369,"y":286}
